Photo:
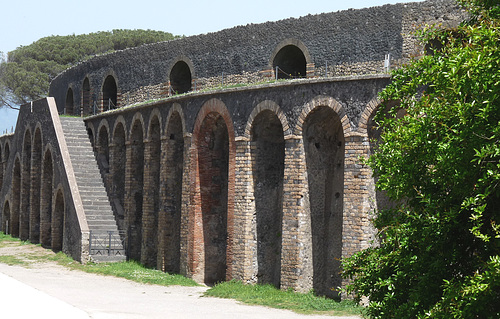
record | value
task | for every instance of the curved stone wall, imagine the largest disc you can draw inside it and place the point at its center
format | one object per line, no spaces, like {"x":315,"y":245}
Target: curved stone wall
{"x":341,"y":43}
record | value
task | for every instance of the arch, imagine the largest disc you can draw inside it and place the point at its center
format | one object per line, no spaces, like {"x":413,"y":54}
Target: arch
{"x":3,"y":163}
{"x":109,"y":93}
{"x":91,"y":135}
{"x":70,"y":102}
{"x":135,"y":182}
{"x":46,"y":199}
{"x":181,"y":76}
{"x":268,"y":160}
{"x":213,"y":171}
{"x":328,"y":102}
{"x":6,"y":217}
{"x":24,"y":211}
{"x":151,"y":201}
{"x":118,"y":161}
{"x":16,"y":198}
{"x":171,"y":193}
{"x":86,"y":108}
{"x":102,"y":147}
{"x":324,"y":147}
{"x":291,"y":57}
{"x":36,"y":170}
{"x":272,"y":107}
{"x":58,"y":219}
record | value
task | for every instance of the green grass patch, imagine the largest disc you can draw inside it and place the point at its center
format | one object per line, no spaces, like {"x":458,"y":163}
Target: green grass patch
{"x":267,"y":295}
{"x":12,"y":260}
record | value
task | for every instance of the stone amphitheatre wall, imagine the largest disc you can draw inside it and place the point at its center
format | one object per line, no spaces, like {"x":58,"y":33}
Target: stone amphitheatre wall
{"x":343,"y":43}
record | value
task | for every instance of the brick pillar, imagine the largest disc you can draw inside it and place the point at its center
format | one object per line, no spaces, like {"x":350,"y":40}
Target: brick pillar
{"x":296,"y":253}
{"x":245,"y":245}
{"x":149,"y":206}
{"x":186,"y":245}
{"x":359,"y":195}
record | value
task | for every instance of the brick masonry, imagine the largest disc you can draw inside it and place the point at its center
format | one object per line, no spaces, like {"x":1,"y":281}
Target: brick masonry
{"x":262,"y":183}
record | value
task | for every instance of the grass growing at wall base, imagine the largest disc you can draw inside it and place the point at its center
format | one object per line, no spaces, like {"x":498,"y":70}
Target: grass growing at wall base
{"x":267,"y":295}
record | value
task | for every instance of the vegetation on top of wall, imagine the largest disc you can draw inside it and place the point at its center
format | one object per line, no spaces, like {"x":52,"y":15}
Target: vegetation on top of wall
{"x":26,"y":73}
{"x":440,"y":246}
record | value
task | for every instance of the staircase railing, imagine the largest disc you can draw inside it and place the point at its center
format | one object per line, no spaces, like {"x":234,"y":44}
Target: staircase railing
{"x":107,"y":243}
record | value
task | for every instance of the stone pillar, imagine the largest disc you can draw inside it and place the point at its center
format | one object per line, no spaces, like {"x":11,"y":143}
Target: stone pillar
{"x":245,"y":245}
{"x":149,"y":219}
{"x":186,"y":245}
{"x":296,"y":254}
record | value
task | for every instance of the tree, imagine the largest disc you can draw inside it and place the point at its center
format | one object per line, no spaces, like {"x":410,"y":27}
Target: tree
{"x":439,"y":251}
{"x":26,"y":74}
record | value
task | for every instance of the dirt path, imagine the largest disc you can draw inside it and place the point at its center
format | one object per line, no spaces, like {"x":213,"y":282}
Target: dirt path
{"x":49,"y":290}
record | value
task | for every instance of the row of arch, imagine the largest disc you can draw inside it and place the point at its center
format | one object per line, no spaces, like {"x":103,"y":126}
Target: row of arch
{"x":147,"y":178}
{"x":289,"y":60}
{"x":35,"y":208}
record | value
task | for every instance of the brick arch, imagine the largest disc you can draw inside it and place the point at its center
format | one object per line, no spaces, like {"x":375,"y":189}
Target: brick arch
{"x":24,"y":211}
{"x":36,"y":173}
{"x":69,"y":104}
{"x":118,"y":159}
{"x":86,"y":107}
{"x":293,"y":59}
{"x":137,"y":118}
{"x":175,"y":108}
{"x":291,"y":41}
{"x":323,"y":101}
{"x":102,"y":146}
{"x":211,"y":217}
{"x":91,"y":133}
{"x":108,"y":91}
{"x":368,"y":112}
{"x":154,"y":113}
{"x":119,"y":120}
{"x":270,"y":106}
{"x":47,"y":181}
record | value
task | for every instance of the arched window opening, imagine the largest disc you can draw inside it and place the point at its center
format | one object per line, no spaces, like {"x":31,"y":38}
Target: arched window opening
{"x":180,"y":78}
{"x":70,"y":102}
{"x":118,"y":163}
{"x":136,"y":190}
{"x":290,"y":63}
{"x":103,"y":150}
{"x":36,"y":172}
{"x":171,"y":192}
{"x":213,"y":163}
{"x":58,"y":222}
{"x":324,"y":145}
{"x":268,"y":158}
{"x":46,"y":201}
{"x":109,"y":94}
{"x":87,"y":108}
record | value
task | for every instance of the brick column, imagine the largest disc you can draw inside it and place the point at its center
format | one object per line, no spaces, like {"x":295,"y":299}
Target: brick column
{"x":358,"y":197}
{"x":296,"y":254}
{"x":245,"y":245}
{"x":186,"y":247}
{"x":149,"y":219}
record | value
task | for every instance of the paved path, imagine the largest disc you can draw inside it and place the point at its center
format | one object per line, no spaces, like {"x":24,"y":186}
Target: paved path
{"x":57,"y":292}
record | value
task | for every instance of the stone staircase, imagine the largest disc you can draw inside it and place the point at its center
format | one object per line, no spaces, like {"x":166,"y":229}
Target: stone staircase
{"x":106,"y":243}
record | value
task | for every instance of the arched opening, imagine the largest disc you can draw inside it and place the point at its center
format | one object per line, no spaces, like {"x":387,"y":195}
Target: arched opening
{"x":70,"y":102}
{"x":151,"y":199}
{"x":6,"y":218}
{"x":118,"y":165}
{"x":36,"y":170}
{"x":213,"y":165}
{"x":324,"y":149}
{"x":290,"y":63}
{"x":109,"y":94}
{"x":24,"y":212}
{"x":58,"y":222}
{"x":180,"y":78}
{"x":170,"y":226}
{"x":268,"y":157}
{"x":16,"y":199}
{"x":136,"y":194}
{"x":86,"y":101}
{"x":102,"y":149}
{"x":46,"y":201}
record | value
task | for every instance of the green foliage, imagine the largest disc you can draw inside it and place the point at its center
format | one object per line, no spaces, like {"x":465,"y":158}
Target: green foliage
{"x":267,"y":295}
{"x":440,"y":247}
{"x":28,"y":71}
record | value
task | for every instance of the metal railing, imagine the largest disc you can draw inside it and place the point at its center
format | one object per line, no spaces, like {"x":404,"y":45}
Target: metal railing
{"x":107,"y":243}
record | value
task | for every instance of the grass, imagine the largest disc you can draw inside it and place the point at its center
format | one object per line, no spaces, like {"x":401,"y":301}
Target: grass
{"x":264,"y":295}
{"x":267,"y":295}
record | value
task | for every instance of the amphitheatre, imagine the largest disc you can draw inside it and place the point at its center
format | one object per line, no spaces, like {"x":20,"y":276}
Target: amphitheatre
{"x":228,"y":155}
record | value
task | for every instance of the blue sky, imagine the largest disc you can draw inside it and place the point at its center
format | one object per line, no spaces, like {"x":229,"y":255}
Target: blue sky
{"x":25,"y":21}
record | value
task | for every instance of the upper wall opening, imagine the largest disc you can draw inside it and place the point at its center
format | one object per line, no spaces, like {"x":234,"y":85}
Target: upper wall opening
{"x":70,"y":102}
{"x":180,"y":78}
{"x":109,"y":93}
{"x":290,"y":62}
